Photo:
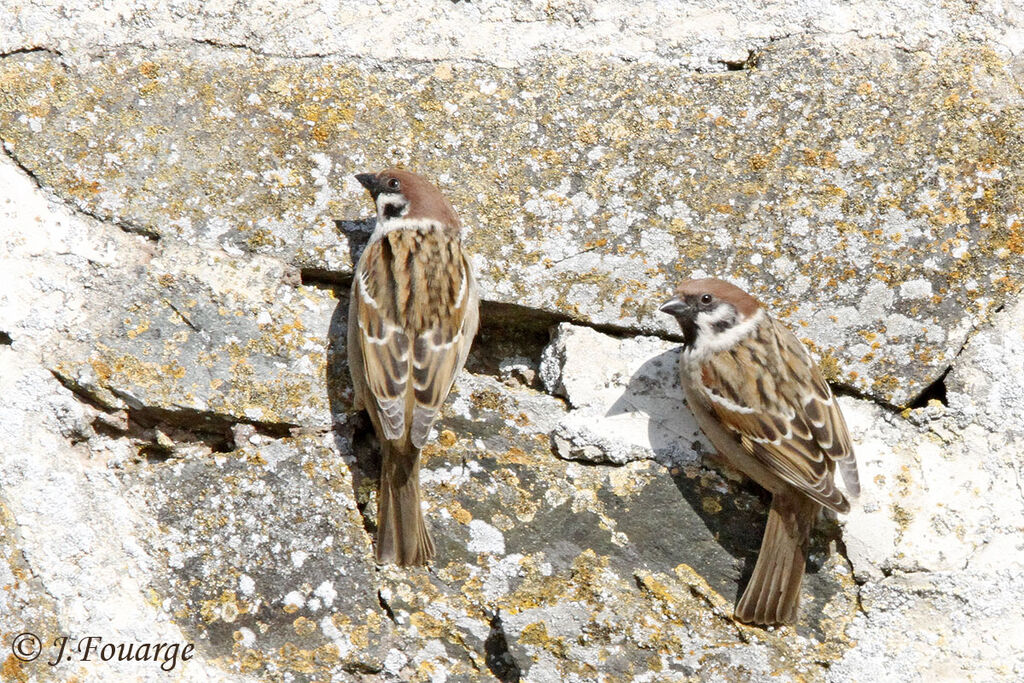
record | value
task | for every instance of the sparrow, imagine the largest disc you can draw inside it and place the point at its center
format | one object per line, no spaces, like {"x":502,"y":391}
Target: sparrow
{"x":413,"y":313}
{"x":764,"y":405}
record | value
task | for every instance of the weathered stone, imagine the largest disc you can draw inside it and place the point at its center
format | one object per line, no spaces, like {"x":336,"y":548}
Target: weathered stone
{"x":206,"y":339}
{"x":73,"y":537}
{"x":713,"y":35}
{"x":986,"y":385}
{"x":626,"y":399}
{"x":936,"y":626}
{"x":264,"y":560}
{"x":23,"y":602}
{"x":922,"y":506}
{"x":608,"y":184}
{"x":592,"y":568}
{"x":167,"y":380}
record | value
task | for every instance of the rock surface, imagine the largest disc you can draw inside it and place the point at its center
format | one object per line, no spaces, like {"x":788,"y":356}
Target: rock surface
{"x":610,"y":182}
{"x":179,"y":462}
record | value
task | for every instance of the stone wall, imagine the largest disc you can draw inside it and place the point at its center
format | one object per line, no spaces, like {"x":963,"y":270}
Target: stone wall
{"x":178,"y":220}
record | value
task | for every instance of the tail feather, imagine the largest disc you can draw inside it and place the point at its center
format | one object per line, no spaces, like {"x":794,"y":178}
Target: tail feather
{"x":402,"y":536}
{"x":848,"y":468}
{"x":773,"y":594}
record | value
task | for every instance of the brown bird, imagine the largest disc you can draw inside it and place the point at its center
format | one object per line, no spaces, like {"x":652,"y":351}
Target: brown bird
{"x":764,"y":405}
{"x":412,"y":317}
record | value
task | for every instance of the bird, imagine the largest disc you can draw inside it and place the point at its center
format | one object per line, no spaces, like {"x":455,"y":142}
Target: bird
{"x":413,"y":314}
{"x":764,"y":405}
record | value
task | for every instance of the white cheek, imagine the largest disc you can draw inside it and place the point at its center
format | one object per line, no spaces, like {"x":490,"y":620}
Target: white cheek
{"x":709,"y":341}
{"x":706,"y":322}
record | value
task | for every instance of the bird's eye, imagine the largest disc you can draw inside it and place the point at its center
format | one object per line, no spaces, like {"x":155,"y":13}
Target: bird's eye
{"x":394,"y":185}
{"x":706,"y":299}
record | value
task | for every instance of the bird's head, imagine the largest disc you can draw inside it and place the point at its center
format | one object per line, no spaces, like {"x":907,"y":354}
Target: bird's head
{"x":400,"y":194}
{"x":710,"y":311}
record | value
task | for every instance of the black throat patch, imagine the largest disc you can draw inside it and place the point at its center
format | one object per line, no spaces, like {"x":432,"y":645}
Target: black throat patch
{"x":689,"y":328}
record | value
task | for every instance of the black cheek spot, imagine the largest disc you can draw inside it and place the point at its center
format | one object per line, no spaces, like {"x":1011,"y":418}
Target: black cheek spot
{"x":722,"y":325}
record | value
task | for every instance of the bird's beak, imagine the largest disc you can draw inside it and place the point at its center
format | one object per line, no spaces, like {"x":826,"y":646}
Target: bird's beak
{"x":369,"y":181}
{"x":675,"y":307}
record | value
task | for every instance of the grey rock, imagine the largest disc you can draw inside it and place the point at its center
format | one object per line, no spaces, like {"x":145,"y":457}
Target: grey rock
{"x":792,"y":179}
{"x":179,"y":461}
{"x":625,"y":396}
{"x":986,"y":385}
{"x":203,"y":339}
{"x":590,"y":568}
{"x":265,"y":561}
{"x":925,"y":626}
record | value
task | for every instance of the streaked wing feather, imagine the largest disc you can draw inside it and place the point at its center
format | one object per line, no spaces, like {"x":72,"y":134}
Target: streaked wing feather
{"x":417,"y":317}
{"x":439,"y":355}
{"x":824,"y":416}
{"x":385,"y":351}
{"x":787,"y":419}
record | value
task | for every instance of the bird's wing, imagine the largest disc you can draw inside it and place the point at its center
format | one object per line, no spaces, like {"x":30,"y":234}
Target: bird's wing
{"x":440,"y":351}
{"x":784,"y":414}
{"x":417,"y":314}
{"x":383,"y":342}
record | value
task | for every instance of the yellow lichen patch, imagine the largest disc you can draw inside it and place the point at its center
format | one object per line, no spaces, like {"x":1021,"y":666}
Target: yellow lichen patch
{"x":459,"y":513}
{"x":251,"y":660}
{"x":225,"y":608}
{"x":537,"y":634}
{"x":304,"y":626}
{"x":296,"y":658}
{"x":829,"y":366}
{"x":446,"y":438}
{"x":697,"y":583}
{"x":14,"y":670}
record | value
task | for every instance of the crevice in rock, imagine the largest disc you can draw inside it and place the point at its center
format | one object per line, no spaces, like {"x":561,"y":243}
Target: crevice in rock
{"x":158,"y":431}
{"x":386,"y":607}
{"x":31,"y":49}
{"x":497,"y":655}
{"x":362,"y":668}
{"x":509,"y":343}
{"x":223,"y":45}
{"x":840,"y":389}
{"x":184,"y":318}
{"x":190,"y":420}
{"x":5,"y":339}
{"x":753,"y":57}
{"x":82,"y":393}
{"x":210,"y":42}
{"x":587,"y":455}
{"x":124,"y":225}
{"x":936,"y":391}
{"x":323,"y":278}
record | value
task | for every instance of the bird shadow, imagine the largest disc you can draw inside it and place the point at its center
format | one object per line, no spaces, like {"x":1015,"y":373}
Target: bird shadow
{"x":351,"y":429}
{"x":731,"y":522}
{"x":357,"y":233}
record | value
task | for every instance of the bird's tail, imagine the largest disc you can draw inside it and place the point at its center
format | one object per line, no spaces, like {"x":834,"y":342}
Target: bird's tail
{"x":773,"y":594}
{"x":402,"y":536}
